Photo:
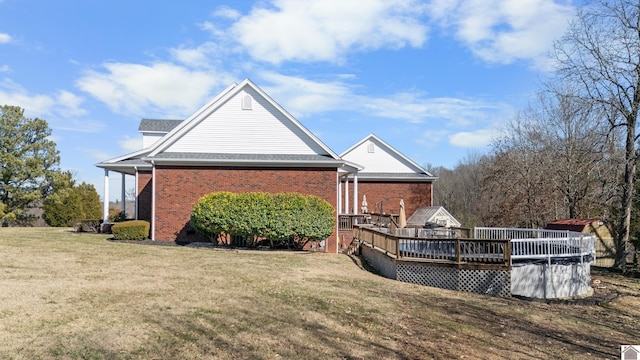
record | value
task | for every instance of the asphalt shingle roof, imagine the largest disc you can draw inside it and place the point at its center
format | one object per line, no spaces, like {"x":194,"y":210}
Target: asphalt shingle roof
{"x":156,"y":125}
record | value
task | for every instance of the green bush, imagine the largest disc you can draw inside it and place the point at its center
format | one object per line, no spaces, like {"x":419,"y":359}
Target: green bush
{"x":288,"y":219}
{"x":211,"y":215}
{"x":67,"y":206}
{"x":131,"y":230}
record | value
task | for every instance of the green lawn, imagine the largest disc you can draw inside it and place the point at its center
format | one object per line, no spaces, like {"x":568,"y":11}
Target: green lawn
{"x":79,"y":296}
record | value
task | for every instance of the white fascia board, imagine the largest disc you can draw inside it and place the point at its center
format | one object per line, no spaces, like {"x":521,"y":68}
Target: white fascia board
{"x":350,"y":168}
{"x":258,"y":163}
{"x":177,"y":132}
{"x":138,"y":153}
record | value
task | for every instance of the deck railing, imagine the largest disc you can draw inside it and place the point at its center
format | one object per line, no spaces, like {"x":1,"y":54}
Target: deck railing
{"x":497,"y":245}
{"x":542,"y":244}
{"x":451,"y":250}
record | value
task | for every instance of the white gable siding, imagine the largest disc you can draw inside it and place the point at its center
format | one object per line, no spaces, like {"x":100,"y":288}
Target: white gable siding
{"x":378,"y":161}
{"x":150,"y":139}
{"x":230,"y":129}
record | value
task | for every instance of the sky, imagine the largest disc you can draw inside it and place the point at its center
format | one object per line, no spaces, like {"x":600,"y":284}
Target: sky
{"x":436,"y":80}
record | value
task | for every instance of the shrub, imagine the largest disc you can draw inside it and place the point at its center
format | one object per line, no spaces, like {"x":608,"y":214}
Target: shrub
{"x":131,"y":230}
{"x":67,"y":206}
{"x":89,"y":226}
{"x":63,"y":208}
{"x":211,"y":215}
{"x":289,"y":219}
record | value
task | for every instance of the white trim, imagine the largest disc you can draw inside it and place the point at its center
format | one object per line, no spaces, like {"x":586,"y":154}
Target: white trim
{"x":417,"y":168}
{"x":165,"y":142}
{"x":337,"y":225}
{"x":153,"y":201}
{"x":355,"y":193}
{"x":339,"y":203}
{"x":346,"y":195}
{"x":123,"y":194}
{"x":136,"y":194}
{"x":105,"y":201}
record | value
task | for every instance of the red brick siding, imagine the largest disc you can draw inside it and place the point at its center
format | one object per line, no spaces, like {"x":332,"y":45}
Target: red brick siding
{"x":415,"y":195}
{"x":178,"y":188}
{"x":144,"y":196}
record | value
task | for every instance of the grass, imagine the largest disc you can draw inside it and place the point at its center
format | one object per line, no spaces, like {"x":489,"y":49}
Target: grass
{"x":79,"y":296}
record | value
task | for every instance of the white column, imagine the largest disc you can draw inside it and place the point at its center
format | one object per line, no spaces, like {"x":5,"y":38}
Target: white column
{"x":355,"y":193}
{"x":105,"y":194}
{"x":346,"y":194}
{"x":123,"y":195}
{"x":136,"y":195}
{"x":339,"y":195}
{"x":153,"y":201}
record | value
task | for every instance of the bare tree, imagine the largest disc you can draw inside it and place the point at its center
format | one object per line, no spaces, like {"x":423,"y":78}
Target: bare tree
{"x":579,"y":155}
{"x":458,"y":190}
{"x":516,"y":186}
{"x":600,"y":53}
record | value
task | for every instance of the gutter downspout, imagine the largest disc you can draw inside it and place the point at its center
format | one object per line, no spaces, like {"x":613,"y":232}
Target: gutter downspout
{"x":338,"y":193}
{"x":153,"y":201}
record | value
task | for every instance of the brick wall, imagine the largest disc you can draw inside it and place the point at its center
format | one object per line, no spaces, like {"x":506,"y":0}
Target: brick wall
{"x":415,"y":195}
{"x":178,"y":188}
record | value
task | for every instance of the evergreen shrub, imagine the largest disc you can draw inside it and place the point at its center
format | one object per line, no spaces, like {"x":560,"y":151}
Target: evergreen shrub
{"x":131,"y":230}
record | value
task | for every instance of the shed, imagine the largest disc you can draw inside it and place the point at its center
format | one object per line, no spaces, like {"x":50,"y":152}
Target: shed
{"x":432,"y":216}
{"x":605,"y":247}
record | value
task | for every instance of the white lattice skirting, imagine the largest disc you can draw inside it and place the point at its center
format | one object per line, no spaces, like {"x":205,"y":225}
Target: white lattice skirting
{"x":491,"y":282}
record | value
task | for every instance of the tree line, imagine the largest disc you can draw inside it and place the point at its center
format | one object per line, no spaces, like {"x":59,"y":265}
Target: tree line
{"x":573,"y":152}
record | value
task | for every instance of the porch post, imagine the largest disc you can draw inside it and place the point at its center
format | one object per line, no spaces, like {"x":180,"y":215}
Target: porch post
{"x":105,"y":194}
{"x":346,"y":194}
{"x":355,"y":193}
{"x":136,"y":195}
{"x":123,"y":195}
{"x":339,"y":195}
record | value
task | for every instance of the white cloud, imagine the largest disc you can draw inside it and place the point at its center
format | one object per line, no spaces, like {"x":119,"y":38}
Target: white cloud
{"x":5,"y":68}
{"x":471,"y":139}
{"x":69,"y":104}
{"x":12,"y":93}
{"x":227,"y":12}
{"x":63,"y":103}
{"x":326,"y":30}
{"x":503,"y":31}
{"x":131,"y":144}
{"x":79,"y":125}
{"x":432,"y":138}
{"x":138,"y":90}
{"x":303,"y":97}
{"x":201,"y":56}
{"x":5,"y":38}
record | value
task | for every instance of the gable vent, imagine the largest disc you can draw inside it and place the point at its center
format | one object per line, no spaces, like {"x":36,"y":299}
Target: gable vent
{"x":371,"y":147}
{"x":247,"y":102}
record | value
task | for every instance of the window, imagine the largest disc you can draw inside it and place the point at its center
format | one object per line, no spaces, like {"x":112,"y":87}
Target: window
{"x":247,"y":102}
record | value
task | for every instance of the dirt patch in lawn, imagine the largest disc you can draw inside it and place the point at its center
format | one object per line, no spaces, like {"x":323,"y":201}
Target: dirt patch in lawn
{"x":66,"y":295}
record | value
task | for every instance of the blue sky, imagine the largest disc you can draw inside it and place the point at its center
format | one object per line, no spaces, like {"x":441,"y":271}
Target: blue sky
{"x":435,"y":79}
